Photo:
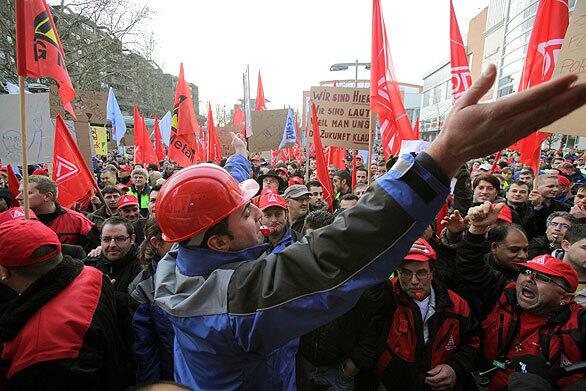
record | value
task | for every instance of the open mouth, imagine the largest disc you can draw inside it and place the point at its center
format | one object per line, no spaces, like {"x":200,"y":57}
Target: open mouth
{"x":527,"y":294}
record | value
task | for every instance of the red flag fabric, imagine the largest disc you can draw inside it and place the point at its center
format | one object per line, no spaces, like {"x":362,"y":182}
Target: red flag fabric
{"x":354,"y":170}
{"x":549,"y":30}
{"x":70,"y":172}
{"x":159,"y":145}
{"x":183,"y":148}
{"x":461,"y":77}
{"x":214,"y":151}
{"x":260,"y":95}
{"x":385,"y":97}
{"x":335,"y":83}
{"x":416,"y":129}
{"x":13,"y":185}
{"x":150,"y":156}
{"x":298,"y":149}
{"x":275,"y":157}
{"x":38,"y":49}
{"x":239,"y":120}
{"x":138,"y":148}
{"x":323,"y":175}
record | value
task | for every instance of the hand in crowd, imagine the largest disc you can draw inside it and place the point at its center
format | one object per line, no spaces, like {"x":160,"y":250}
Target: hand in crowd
{"x":535,"y":198}
{"x":483,"y":216}
{"x":455,"y":223}
{"x":473,"y":130}
{"x":578,"y":211}
{"x":239,"y":144}
{"x":418,"y":247}
{"x":96,"y":200}
{"x":96,"y":252}
{"x":442,"y":377}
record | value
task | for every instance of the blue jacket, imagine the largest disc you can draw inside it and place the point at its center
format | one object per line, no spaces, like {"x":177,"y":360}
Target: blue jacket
{"x":289,"y":238}
{"x":237,"y":315}
{"x":153,"y":332}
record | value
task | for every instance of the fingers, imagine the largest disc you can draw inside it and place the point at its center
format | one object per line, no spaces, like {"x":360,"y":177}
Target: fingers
{"x":434,"y":371}
{"x":478,"y":89}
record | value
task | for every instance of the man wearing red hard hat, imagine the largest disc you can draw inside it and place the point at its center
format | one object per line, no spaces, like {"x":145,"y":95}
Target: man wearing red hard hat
{"x":237,"y":314}
{"x":276,"y":228}
{"x":60,"y":332}
{"x":418,"y":305}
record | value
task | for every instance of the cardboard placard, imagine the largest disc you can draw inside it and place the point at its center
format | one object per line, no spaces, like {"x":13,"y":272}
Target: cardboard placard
{"x":226,"y":139}
{"x":572,"y":59}
{"x":84,"y":141}
{"x":343,"y":116}
{"x":99,"y":140}
{"x":39,"y":129}
{"x":89,"y":106}
{"x":267,"y":130}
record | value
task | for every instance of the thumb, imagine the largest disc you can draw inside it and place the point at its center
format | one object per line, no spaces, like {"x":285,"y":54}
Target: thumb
{"x":478,"y":89}
{"x":434,"y":371}
{"x":498,"y":207}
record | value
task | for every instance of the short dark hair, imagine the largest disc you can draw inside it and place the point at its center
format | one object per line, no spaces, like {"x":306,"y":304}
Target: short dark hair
{"x":110,"y":190}
{"x":361,"y":169}
{"x":493,"y":180}
{"x":118,"y":220}
{"x":318,"y":219}
{"x":520,"y":183}
{"x":500,"y":232}
{"x":220,"y":228}
{"x":344,"y":175}
{"x":575,"y":233}
{"x":350,"y":197}
{"x":5,"y":193}
{"x":313,"y":184}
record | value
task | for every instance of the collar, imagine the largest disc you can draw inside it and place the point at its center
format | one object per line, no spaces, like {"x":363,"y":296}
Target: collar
{"x":198,"y":261}
{"x":48,"y":217}
{"x":130,"y":255}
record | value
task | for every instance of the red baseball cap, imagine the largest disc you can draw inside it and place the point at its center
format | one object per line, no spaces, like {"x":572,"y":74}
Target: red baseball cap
{"x":15,"y":214}
{"x":20,"y":238}
{"x":417,"y":256}
{"x":126,"y":168}
{"x":553,"y":266}
{"x":127,"y":199}
{"x":122,"y":187}
{"x":505,"y":214}
{"x":563,"y":181}
{"x":283,"y":170}
{"x":40,"y":171}
{"x":269,"y":198}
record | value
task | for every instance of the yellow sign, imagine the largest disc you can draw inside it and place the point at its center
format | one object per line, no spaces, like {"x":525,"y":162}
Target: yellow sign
{"x":100,"y":140}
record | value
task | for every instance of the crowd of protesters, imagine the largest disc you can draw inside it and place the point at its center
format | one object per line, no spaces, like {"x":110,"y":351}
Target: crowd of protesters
{"x":242,"y":277}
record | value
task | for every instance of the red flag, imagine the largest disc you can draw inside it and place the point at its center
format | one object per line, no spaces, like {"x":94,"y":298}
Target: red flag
{"x":13,"y":185}
{"x":150,"y":157}
{"x":260,"y":95}
{"x":138,"y":148}
{"x":183,"y":148}
{"x":385,"y":97}
{"x":323,"y":175}
{"x":214,"y":151}
{"x":275,"y":157}
{"x":461,"y":77}
{"x":549,"y":30}
{"x":38,"y":49}
{"x":335,"y":83}
{"x":354,"y":170}
{"x":416,"y":130}
{"x":298,"y":149}
{"x":70,"y":172}
{"x":238,"y":120}
{"x":159,"y":145}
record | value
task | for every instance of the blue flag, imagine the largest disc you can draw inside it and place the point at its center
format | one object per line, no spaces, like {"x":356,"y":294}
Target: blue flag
{"x":289,"y":135}
{"x":165,"y":127}
{"x":114,"y":114}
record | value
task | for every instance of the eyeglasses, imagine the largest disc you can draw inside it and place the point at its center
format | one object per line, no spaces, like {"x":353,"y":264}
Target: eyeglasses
{"x":560,"y":225}
{"x":420,"y":274}
{"x":117,"y":239}
{"x":543,"y":278}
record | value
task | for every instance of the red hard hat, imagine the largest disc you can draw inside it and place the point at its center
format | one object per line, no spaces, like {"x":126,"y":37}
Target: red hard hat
{"x":198,"y":197}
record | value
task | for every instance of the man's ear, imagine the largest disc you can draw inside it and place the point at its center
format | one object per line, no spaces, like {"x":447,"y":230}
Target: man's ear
{"x":132,"y":238}
{"x":4,"y":273}
{"x":567,"y":298}
{"x":219,"y":242}
{"x":565,"y":245}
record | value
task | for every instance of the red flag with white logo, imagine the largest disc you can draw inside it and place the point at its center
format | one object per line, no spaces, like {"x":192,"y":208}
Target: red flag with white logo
{"x":549,"y":30}
{"x":38,"y":49}
{"x":385,"y":97}
{"x":461,"y":77}
{"x":323,"y":176}
{"x":260,"y":95}
{"x":214,"y":151}
{"x":74,"y":179}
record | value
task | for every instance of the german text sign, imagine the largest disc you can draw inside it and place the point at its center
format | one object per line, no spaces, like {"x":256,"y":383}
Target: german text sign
{"x":267,"y":130}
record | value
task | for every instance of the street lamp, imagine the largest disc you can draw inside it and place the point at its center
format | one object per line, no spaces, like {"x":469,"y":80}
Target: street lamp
{"x":344,"y":66}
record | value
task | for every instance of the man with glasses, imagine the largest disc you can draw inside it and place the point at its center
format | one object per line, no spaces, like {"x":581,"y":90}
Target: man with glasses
{"x":551,"y":243}
{"x":432,"y":339}
{"x":535,"y":315}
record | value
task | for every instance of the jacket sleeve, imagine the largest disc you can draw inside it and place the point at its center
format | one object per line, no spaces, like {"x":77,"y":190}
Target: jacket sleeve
{"x":314,"y":282}
{"x":474,"y":273}
{"x":467,"y":358}
{"x":146,"y":346}
{"x":238,"y":166}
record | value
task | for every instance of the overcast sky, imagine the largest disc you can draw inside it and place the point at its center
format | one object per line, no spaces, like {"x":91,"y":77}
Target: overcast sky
{"x":293,"y":43}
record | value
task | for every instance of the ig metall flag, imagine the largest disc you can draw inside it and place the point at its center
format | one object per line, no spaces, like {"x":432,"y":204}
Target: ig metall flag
{"x":289,"y":135}
{"x":114,"y":114}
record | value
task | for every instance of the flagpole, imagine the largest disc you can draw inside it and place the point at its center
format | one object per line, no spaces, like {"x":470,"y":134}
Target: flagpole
{"x":370,"y":137}
{"x":23,"y":145}
{"x":307,"y":147}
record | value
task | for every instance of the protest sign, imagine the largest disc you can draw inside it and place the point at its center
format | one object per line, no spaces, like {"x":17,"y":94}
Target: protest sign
{"x":267,"y":130}
{"x":89,"y":106}
{"x":343,"y":115}
{"x":226,"y":139}
{"x":99,"y":140}
{"x":39,"y":130}
{"x":572,"y":59}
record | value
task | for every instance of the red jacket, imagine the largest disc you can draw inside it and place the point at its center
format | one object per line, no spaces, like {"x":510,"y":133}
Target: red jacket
{"x":559,"y":339}
{"x":453,"y":339}
{"x":72,"y":227}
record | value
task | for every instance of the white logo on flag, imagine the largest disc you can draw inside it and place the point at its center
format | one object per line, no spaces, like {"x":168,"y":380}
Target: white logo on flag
{"x":461,"y":81}
{"x":64,"y":169}
{"x":451,"y":345}
{"x":16,"y":213}
{"x":564,"y":361}
{"x":550,"y":51}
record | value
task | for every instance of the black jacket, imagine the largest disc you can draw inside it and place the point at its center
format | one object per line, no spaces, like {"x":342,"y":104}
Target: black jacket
{"x":542,"y":214}
{"x":539,"y":246}
{"x":66,"y":299}
{"x":525,"y":217}
{"x":123,"y":271}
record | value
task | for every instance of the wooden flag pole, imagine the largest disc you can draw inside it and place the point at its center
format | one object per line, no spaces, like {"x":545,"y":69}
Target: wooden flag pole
{"x":370,"y":141}
{"x":23,"y":144}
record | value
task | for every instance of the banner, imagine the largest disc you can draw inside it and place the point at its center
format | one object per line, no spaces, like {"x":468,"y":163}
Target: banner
{"x":39,"y":130}
{"x":226,"y":139}
{"x":267,"y":129}
{"x":99,"y":140}
{"x":88,"y":106}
